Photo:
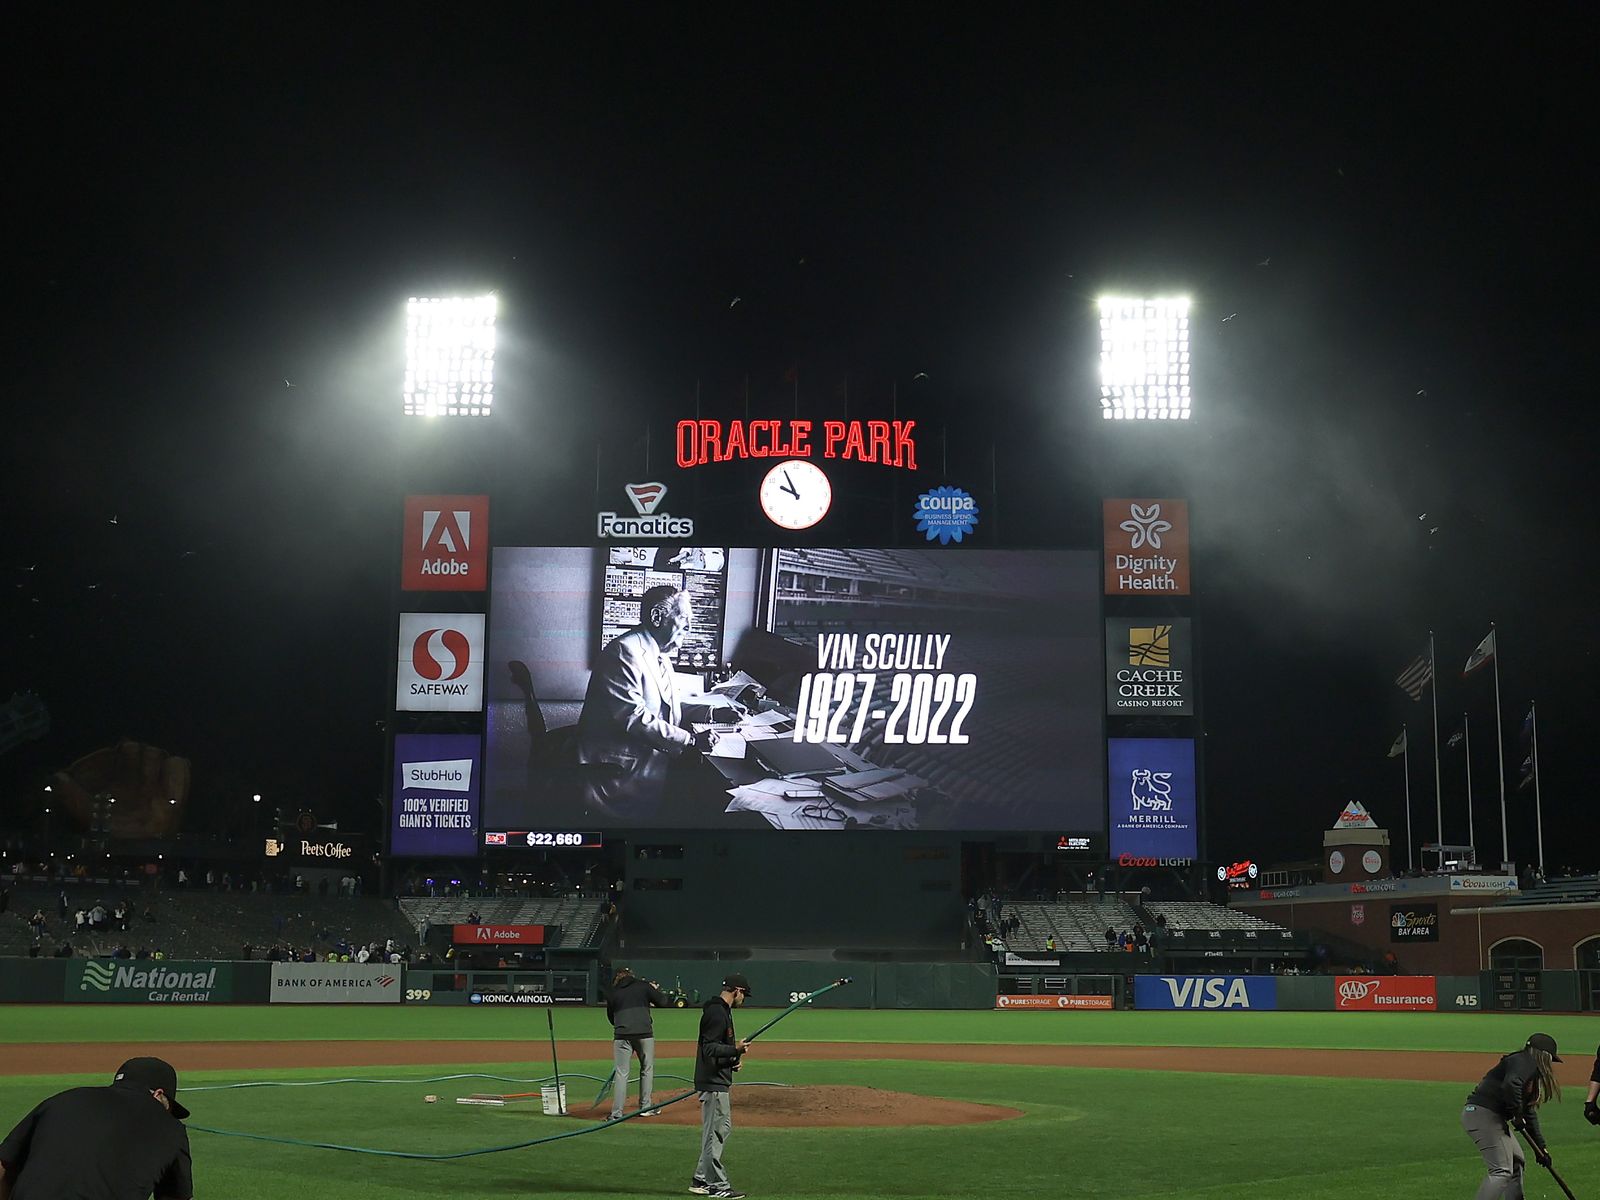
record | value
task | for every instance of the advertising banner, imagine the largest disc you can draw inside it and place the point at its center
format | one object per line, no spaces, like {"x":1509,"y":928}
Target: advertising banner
{"x":336,"y":983}
{"x":446,"y":544}
{"x":1147,"y":547}
{"x":321,"y":848}
{"x":1148,"y":667}
{"x":1413,"y":922}
{"x":440,"y":663}
{"x":1386,"y":993}
{"x":1151,"y":785}
{"x":498,"y":935}
{"x":436,"y":788}
{"x":143,"y":981}
{"x":1014,"y":1003}
{"x":1252,"y":992}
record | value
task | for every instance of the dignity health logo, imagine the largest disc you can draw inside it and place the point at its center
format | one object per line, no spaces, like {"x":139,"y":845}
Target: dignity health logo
{"x":946,"y":514}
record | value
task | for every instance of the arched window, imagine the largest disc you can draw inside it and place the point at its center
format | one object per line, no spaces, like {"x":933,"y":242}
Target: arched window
{"x":1587,"y":954}
{"x":1516,"y":954}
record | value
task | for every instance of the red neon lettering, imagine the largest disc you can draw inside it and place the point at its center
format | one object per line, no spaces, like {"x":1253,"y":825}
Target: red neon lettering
{"x":800,"y":448}
{"x":878,"y":436}
{"x":854,"y":445}
{"x":757,"y":428}
{"x":832,"y":435}
{"x":710,"y":441}
{"x":905,"y":450}
{"x":687,"y":437}
{"x":738,"y":445}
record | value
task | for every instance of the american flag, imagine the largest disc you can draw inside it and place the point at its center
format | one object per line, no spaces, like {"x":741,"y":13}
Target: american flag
{"x":1416,"y":676}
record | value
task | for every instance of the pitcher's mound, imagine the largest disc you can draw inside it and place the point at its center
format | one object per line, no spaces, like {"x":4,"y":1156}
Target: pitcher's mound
{"x":810,"y":1107}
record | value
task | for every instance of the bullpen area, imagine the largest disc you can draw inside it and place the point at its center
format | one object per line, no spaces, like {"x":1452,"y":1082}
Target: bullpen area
{"x":831,"y":1103}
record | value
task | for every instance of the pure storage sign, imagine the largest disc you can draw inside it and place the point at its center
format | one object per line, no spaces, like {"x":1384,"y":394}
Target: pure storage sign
{"x":103,"y":982}
{"x":440,"y":663}
{"x":1147,"y":547}
{"x":1386,"y":993}
{"x":446,"y":544}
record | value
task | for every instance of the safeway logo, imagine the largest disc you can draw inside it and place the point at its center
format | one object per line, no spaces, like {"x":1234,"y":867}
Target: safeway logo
{"x":440,"y":667}
{"x":646,"y":497}
{"x":446,"y":544}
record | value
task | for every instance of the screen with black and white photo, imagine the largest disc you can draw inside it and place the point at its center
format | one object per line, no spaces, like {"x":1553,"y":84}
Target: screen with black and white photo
{"x":810,"y":689}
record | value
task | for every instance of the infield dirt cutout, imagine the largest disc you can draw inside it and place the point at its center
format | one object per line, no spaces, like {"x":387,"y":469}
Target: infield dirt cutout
{"x":813,"y":1107}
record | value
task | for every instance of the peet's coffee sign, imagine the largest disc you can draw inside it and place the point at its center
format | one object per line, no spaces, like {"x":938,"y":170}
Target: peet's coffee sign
{"x":314,"y":851}
{"x":1413,"y":922}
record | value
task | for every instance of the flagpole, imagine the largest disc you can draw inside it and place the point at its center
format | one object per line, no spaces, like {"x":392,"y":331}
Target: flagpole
{"x":1472,"y":835}
{"x":1438,"y":787}
{"x":1538,"y":805}
{"x":1500,"y":747}
{"x":1405,"y":765}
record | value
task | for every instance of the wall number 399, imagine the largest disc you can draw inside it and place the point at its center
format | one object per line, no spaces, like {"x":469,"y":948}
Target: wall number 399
{"x":797,"y":997}
{"x":419,"y":994}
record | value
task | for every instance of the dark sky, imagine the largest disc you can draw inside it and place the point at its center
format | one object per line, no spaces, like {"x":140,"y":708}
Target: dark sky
{"x":1393,"y":422}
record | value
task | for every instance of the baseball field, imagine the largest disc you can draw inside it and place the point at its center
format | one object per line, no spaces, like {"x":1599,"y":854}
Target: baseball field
{"x":832,"y":1103}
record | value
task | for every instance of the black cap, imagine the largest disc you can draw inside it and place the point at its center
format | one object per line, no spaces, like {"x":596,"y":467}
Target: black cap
{"x":1543,"y":1041}
{"x":150,"y":1074}
{"x":737,"y":980}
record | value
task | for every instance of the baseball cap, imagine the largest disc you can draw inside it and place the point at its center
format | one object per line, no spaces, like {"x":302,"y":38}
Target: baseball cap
{"x":737,"y":980}
{"x":1543,"y":1041}
{"x":150,"y":1074}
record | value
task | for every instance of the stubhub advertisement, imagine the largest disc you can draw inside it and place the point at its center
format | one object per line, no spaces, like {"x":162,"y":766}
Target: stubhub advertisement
{"x":436,"y":786}
{"x":1150,"y":784}
{"x":1241,"y":992}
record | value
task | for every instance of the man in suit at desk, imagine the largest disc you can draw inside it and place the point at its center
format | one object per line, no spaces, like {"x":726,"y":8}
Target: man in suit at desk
{"x":631,"y":726}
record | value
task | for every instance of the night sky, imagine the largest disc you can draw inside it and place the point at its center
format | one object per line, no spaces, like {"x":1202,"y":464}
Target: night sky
{"x":1386,"y":230}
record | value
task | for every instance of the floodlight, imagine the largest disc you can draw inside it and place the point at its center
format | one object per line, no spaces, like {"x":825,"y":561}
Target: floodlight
{"x":450,"y":356}
{"x":1144,"y":358}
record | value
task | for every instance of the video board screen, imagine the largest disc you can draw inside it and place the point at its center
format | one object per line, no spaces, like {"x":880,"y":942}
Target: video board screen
{"x":911,"y":689}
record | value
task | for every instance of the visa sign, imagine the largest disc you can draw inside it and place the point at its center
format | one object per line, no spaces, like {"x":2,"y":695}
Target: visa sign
{"x":1247,"y":992}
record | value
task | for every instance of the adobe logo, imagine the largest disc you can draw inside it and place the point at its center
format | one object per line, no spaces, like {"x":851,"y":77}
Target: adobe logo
{"x":439,"y":662}
{"x":446,"y":544}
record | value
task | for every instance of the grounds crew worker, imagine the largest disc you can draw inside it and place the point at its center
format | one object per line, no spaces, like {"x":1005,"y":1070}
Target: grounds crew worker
{"x":628,"y":1008}
{"x":716,"y":1059}
{"x":1590,"y":1112}
{"x":1508,"y":1095}
{"x":122,"y":1142}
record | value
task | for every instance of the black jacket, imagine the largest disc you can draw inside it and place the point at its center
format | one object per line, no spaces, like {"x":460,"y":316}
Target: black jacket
{"x":1509,"y":1091}
{"x":628,"y":1007}
{"x":713,"y":1062}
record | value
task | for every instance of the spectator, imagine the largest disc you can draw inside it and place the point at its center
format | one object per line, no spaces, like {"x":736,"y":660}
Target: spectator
{"x":211,"y":879}
{"x":64,"y":950}
{"x":62,"y":902}
{"x":1140,"y":941}
{"x":79,"y":920}
{"x":36,"y":923}
{"x":1111,"y":938}
{"x":362,"y":955}
{"x":144,"y":952}
{"x":183,"y":878}
{"x":473,"y":918}
{"x":1050,"y":942}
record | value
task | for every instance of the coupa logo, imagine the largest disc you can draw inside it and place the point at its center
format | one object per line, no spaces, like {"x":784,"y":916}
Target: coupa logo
{"x":97,"y":975}
{"x":945,"y":514}
{"x":435,"y":649}
{"x":1151,"y":789}
{"x":1353,"y":991}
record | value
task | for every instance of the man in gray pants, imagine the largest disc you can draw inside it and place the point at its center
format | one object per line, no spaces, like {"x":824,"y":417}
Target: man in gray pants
{"x":628,"y":1007}
{"x":717,"y":1057}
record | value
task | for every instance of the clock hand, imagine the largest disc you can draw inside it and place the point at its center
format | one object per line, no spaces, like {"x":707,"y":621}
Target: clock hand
{"x":788,"y":486}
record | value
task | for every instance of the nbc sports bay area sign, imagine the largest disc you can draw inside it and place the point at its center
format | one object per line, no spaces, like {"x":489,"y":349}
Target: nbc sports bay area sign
{"x":105,"y":981}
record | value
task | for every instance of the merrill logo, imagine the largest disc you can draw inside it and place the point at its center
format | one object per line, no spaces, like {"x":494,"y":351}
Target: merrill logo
{"x":1157,"y":787}
{"x":444,"y":775}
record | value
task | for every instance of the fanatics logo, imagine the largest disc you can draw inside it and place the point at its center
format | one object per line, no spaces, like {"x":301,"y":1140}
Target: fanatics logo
{"x":446,"y":544}
{"x":646,"y":497}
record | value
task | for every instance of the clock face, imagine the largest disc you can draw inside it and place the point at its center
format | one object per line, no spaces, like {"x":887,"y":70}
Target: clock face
{"x":795,"y":494}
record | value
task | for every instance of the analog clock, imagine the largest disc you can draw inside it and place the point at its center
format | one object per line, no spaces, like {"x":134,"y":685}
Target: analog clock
{"x":795,"y":494}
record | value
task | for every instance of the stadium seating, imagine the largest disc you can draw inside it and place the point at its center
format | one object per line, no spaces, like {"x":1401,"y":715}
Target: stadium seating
{"x":1186,"y":915}
{"x":1077,"y":925}
{"x":1575,"y":889}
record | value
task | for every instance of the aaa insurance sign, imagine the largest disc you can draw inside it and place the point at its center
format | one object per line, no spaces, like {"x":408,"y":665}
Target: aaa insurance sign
{"x":446,"y":544}
{"x":440,"y":663}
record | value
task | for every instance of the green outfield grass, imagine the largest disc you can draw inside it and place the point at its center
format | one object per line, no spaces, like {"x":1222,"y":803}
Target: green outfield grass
{"x":1473,"y":1032}
{"x":1085,"y":1133}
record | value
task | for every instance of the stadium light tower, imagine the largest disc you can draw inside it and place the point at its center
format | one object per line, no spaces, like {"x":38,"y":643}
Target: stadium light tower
{"x":450,"y":356}
{"x":1144,"y":358}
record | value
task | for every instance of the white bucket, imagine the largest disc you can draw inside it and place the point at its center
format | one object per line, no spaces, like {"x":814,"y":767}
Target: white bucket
{"x":554,"y":1106}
